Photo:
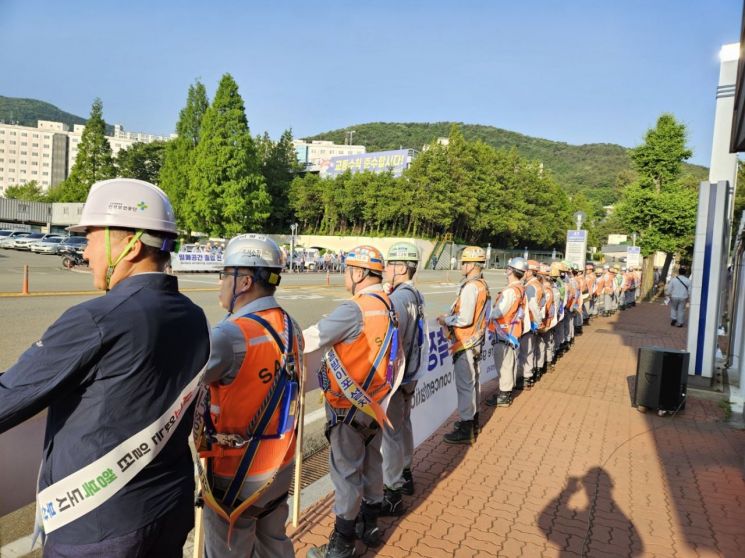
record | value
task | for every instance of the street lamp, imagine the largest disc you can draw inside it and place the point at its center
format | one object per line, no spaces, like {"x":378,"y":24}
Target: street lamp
{"x":293,"y":234}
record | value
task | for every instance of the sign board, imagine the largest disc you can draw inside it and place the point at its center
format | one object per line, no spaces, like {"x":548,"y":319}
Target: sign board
{"x":380,"y":161}
{"x":196,"y":258}
{"x":576,"y":248}
{"x":634,"y":256}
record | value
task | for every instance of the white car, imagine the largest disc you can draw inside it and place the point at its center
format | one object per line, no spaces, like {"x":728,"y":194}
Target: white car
{"x":7,"y":241}
{"x":48,"y":245}
{"x":26,"y":242}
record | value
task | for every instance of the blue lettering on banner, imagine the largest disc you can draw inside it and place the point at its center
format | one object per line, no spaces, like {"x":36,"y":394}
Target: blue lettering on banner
{"x":438,"y":347}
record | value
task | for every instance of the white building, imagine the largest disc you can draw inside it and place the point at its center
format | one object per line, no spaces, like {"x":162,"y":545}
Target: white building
{"x":47,"y":153}
{"x":311,"y":154}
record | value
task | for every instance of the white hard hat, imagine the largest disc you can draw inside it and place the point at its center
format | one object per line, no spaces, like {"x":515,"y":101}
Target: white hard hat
{"x":253,"y":250}
{"x":403,"y":252}
{"x":130,"y":204}
{"x":518,"y":264}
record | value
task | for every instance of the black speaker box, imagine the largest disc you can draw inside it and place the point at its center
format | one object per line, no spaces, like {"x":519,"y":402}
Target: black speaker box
{"x":661,"y":378}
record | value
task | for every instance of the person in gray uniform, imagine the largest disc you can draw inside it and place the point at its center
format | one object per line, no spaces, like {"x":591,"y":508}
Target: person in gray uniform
{"x":679,"y":290}
{"x":398,"y":442}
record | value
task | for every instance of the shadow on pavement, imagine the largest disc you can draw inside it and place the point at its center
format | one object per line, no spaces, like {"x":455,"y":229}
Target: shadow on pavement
{"x":576,"y":506}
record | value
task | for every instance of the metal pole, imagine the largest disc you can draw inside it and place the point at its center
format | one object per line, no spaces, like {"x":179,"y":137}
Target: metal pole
{"x":299,"y":448}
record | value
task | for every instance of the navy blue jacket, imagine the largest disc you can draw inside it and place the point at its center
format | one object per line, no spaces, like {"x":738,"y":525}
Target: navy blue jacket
{"x":106,"y":369}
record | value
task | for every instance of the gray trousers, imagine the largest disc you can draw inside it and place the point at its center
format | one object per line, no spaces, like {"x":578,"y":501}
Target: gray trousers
{"x":356,"y":469}
{"x":505,"y":359}
{"x":578,"y":319}
{"x":466,"y":372}
{"x":630,"y":297}
{"x":397,"y":447}
{"x":262,"y":537}
{"x":526,"y":358}
{"x":540,"y":349}
{"x":559,"y":332}
{"x":549,"y":339}
{"x":608,"y":302}
{"x":678,"y":310}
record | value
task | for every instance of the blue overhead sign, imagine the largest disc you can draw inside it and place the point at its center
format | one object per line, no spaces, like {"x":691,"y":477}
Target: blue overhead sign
{"x":380,"y":161}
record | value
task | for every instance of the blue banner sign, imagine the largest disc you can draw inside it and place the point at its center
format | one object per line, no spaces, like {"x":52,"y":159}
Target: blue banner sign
{"x":380,"y":161}
{"x":576,"y":236}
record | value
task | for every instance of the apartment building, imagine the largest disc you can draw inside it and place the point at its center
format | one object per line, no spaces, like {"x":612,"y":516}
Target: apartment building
{"x":311,"y":154}
{"x":47,"y":152}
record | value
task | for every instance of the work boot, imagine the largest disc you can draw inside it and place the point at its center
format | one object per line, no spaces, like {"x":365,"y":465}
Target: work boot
{"x":519,"y":384}
{"x":339,"y":546}
{"x":529,"y":383}
{"x":393,"y":503}
{"x":408,"y":487}
{"x":462,"y":434}
{"x":367,"y":529}
{"x":500,"y":399}
{"x":476,"y":424}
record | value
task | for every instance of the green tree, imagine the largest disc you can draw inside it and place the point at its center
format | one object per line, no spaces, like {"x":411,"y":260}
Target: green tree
{"x":93,"y":162}
{"x":279,"y":166}
{"x":31,"y":191}
{"x":142,"y":161}
{"x":659,"y":160}
{"x":178,"y":153}
{"x":661,"y":203}
{"x":227,"y":193}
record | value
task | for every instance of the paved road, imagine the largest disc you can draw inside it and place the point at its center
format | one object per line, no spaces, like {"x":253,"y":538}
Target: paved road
{"x":306,"y":296}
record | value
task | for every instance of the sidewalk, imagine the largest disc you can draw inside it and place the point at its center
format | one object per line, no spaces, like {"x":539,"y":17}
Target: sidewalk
{"x":662,"y":486}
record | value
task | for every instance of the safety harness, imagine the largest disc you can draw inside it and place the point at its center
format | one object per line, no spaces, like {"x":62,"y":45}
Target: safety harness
{"x":282,"y":396}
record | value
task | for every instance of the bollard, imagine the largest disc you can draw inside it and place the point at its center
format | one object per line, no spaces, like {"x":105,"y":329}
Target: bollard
{"x":328,"y":278}
{"x":24,"y":288}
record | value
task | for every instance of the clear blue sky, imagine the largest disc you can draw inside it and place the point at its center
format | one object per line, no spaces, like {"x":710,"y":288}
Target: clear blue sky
{"x":574,"y":71}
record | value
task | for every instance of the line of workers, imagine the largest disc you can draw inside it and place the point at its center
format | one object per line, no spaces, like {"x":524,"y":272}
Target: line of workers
{"x":119,"y":374}
{"x":372,"y":346}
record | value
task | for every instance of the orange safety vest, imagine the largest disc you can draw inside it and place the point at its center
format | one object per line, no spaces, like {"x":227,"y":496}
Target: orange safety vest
{"x":358,"y":356}
{"x":549,"y":305}
{"x":234,"y":406}
{"x":538,"y":286}
{"x":508,"y":321}
{"x":470,"y":336}
{"x":590,"y":282}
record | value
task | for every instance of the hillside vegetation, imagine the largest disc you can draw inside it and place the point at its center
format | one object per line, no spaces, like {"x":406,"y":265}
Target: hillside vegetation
{"x":26,"y":112}
{"x":592,"y":169}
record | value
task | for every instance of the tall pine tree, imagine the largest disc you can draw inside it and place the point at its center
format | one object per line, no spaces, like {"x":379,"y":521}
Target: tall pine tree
{"x":174,"y":174}
{"x":279,"y":166}
{"x":227,"y":193}
{"x":93,"y":162}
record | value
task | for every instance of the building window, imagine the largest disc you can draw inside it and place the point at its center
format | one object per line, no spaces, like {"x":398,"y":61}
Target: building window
{"x":36,"y":135}
{"x":45,"y":173}
{"x":46,"y":146}
{"x":12,"y":142}
{"x":12,"y":133}
{"x":24,"y":153}
{"x":35,"y":163}
{"x":46,"y":164}
{"x":24,"y":143}
{"x":23,"y":171}
{"x":34,"y":172}
{"x":24,"y":134}
{"x":34,"y":145}
{"x":45,"y":155}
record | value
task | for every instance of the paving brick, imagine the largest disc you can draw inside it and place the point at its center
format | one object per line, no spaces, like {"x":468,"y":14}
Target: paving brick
{"x":525,"y":488}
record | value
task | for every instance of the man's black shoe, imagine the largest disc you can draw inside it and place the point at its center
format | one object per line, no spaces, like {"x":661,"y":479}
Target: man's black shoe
{"x":367,"y":529}
{"x":500,"y":399}
{"x":338,"y":546}
{"x":462,"y":434}
{"x":408,"y":487}
{"x":393,"y":503}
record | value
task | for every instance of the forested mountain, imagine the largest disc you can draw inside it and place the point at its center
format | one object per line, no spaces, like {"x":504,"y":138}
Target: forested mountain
{"x":26,"y":112}
{"x":592,"y":169}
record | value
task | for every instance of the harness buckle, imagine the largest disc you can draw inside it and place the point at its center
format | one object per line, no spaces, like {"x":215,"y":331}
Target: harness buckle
{"x":230,"y":440}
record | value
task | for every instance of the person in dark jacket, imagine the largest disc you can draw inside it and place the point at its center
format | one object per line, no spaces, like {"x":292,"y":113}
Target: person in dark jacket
{"x":118,"y":375}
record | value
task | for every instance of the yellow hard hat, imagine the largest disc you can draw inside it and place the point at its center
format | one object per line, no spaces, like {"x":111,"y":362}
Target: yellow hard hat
{"x":366,"y":257}
{"x":473,"y":254}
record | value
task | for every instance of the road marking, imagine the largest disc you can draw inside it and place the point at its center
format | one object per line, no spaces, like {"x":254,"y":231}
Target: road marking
{"x":19,"y":547}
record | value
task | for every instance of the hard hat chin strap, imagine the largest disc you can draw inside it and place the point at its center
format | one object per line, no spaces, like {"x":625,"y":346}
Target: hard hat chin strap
{"x":127,"y":249}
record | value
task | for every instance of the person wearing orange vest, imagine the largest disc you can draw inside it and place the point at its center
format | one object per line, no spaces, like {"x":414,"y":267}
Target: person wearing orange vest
{"x":360,"y":368}
{"x":246,"y":432}
{"x":507,"y":323}
{"x":398,"y":442}
{"x":533,"y":307}
{"x":552,"y":284}
{"x":545,"y":335}
{"x":638,"y":282}
{"x":557,"y":273}
{"x":466,"y":326}
{"x":570,"y":286}
{"x":581,"y":295}
{"x":607,"y":282}
{"x":590,"y":280}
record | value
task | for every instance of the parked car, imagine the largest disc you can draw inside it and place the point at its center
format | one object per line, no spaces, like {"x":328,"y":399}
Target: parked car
{"x":26,"y":242}
{"x":8,"y":240}
{"x":49,"y":245}
{"x":74,"y":243}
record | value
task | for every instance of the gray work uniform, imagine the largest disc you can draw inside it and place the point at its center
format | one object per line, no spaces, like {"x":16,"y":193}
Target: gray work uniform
{"x":526,"y":362}
{"x":465,"y":362}
{"x":505,"y":356}
{"x":355,"y":461}
{"x":678,"y":290}
{"x":261,"y":529}
{"x":398,"y":442}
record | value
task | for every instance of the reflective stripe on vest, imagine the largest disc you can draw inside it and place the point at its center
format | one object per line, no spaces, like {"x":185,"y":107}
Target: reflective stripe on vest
{"x":358,"y":356}
{"x":238,"y":402}
{"x":510,"y":323}
{"x":470,"y":336}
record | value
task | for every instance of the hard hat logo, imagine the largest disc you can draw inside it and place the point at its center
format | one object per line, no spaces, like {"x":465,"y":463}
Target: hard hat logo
{"x":142,"y":206}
